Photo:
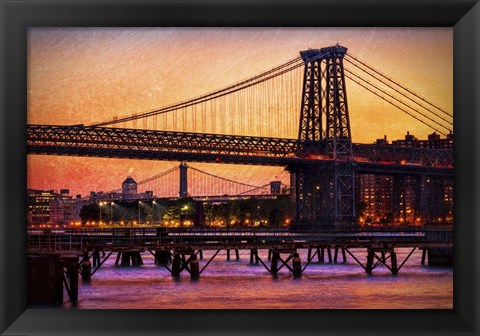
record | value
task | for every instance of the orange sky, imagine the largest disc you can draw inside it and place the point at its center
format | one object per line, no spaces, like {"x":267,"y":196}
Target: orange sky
{"x":85,"y":75}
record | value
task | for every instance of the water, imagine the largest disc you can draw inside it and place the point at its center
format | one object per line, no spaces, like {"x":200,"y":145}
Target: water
{"x":239,"y":285}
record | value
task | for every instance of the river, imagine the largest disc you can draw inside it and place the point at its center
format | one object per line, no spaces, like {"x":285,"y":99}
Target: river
{"x":240,"y":285}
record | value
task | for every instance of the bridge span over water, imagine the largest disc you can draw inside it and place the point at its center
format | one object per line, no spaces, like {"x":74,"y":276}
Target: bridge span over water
{"x":322,"y":160}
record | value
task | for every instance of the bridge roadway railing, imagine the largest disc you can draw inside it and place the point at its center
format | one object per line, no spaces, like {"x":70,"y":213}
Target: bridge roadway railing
{"x":207,"y":238}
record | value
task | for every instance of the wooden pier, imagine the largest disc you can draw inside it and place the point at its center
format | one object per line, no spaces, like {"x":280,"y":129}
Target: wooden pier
{"x":61,"y":255}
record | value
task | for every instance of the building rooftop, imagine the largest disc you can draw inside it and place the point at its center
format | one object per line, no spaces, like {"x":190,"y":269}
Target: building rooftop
{"x":129,"y":180}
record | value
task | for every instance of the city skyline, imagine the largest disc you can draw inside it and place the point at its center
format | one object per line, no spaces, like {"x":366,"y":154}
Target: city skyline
{"x":88,"y":75}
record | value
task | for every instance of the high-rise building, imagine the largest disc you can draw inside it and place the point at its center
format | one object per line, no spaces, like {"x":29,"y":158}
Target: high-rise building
{"x":399,"y":199}
{"x":374,"y":198}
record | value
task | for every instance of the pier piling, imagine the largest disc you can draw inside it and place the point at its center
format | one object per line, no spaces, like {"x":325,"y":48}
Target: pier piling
{"x":194,"y":267}
{"x":96,"y":258}
{"x":393,"y":260}
{"x":424,"y":254}
{"x":274,"y":267}
{"x":296,"y":266}
{"x":176,"y":265}
{"x":329,"y":250}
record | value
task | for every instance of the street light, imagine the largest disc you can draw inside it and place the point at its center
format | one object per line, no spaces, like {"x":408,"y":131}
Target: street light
{"x":111,"y":212}
{"x":139,"y":204}
{"x":153,"y":212}
{"x":100,"y":212}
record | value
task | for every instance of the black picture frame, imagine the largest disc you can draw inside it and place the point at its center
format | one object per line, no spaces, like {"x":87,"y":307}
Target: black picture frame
{"x":17,"y":16}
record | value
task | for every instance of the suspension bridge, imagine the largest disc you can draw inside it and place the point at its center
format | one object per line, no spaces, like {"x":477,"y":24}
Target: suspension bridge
{"x":188,"y":181}
{"x":256,"y":122}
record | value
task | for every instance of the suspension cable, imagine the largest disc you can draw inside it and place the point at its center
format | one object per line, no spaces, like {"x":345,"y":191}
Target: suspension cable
{"x":223,"y":178}
{"x":202,"y":98}
{"x":398,"y":84}
{"x":399,"y":92}
{"x":388,"y":101}
{"x":398,"y":100}
{"x":148,"y":179}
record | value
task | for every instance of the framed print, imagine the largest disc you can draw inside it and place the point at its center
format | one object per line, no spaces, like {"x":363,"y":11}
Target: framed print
{"x":102,"y":41}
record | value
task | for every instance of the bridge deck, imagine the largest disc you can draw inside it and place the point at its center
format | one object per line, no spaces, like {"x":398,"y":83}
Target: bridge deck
{"x":216,"y":148}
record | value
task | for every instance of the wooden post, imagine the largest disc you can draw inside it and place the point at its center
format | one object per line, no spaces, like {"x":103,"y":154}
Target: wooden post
{"x":137,"y":259}
{"x":369,"y":265}
{"x":86,"y":268}
{"x":424,"y":254}
{"x":86,"y":271}
{"x":321,"y":255}
{"x":162,"y":257}
{"x":194,"y":267}
{"x":344,"y":256}
{"x":96,"y":258}
{"x":393,"y":257}
{"x":176,"y":265}
{"x":73,"y":277}
{"x":297,"y":265}
{"x":119,"y":254}
{"x":335,"y":257}
{"x":125,"y":259}
{"x":329,"y":250}
{"x":274,"y":267}
{"x":237,"y":256}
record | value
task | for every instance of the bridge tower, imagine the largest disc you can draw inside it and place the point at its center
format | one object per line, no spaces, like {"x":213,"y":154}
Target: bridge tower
{"x":324,"y":192}
{"x":183,"y":179}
